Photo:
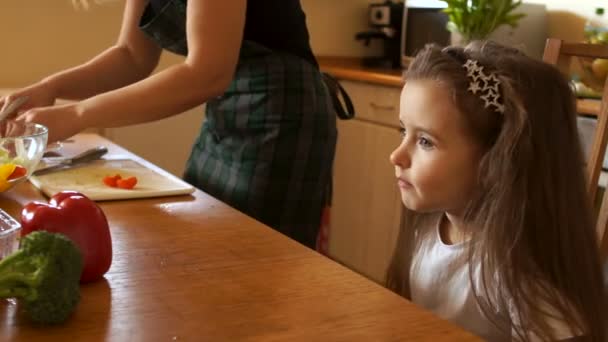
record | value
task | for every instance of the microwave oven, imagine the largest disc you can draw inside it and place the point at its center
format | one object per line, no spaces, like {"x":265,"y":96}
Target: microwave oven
{"x":423,"y":23}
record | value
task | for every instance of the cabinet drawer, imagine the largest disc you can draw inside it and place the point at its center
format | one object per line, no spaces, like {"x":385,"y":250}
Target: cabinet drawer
{"x":375,"y":103}
{"x":366,"y":207}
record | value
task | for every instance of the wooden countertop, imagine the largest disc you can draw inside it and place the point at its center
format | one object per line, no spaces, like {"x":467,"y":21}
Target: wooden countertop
{"x":190,"y":268}
{"x":350,"y":68}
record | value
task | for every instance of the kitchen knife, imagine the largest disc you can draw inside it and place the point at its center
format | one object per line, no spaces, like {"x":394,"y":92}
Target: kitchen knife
{"x":84,"y":157}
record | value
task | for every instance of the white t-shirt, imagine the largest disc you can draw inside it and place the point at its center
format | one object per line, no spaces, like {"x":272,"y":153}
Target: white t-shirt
{"x":439,"y":281}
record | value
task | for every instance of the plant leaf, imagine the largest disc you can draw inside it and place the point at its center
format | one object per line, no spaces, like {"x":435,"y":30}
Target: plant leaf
{"x":476,"y":19}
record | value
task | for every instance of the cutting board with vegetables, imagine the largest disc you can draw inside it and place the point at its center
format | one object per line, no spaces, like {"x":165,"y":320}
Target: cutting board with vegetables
{"x":88,"y":179}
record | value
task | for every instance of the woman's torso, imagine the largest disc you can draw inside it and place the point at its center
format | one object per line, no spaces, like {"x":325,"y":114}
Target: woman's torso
{"x":276,"y":24}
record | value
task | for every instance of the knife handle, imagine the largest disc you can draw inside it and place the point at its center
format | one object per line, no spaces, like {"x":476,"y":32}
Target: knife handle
{"x":82,"y":158}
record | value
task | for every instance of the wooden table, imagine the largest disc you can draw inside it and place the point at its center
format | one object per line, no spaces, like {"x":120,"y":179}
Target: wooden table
{"x":190,"y":268}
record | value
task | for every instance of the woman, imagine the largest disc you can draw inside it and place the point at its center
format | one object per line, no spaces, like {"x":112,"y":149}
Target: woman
{"x":267,"y":145}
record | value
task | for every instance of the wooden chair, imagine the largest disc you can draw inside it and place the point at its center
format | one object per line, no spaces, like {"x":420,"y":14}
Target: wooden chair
{"x":560,"y":53}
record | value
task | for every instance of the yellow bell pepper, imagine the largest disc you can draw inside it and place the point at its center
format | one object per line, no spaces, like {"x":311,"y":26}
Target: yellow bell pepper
{"x":5,"y":171}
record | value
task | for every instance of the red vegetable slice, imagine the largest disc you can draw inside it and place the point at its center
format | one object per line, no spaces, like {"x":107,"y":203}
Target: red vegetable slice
{"x":19,"y":171}
{"x":111,"y":180}
{"x":127,"y":183}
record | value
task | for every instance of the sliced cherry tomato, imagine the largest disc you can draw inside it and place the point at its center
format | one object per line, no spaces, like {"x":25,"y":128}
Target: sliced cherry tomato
{"x":19,"y":171}
{"x":111,"y":180}
{"x":127,"y":183}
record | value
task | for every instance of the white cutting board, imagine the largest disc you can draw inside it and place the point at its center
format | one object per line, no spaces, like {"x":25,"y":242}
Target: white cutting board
{"x":88,"y":180}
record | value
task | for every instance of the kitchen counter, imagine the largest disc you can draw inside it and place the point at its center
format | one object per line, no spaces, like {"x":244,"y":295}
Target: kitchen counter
{"x":190,"y":268}
{"x":350,"y":68}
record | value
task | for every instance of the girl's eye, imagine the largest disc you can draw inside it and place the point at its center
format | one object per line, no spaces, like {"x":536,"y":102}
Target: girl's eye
{"x":425,"y":143}
{"x":402,"y":131}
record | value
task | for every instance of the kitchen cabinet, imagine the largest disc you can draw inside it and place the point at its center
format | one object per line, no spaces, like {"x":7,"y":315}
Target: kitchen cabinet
{"x":366,"y":208}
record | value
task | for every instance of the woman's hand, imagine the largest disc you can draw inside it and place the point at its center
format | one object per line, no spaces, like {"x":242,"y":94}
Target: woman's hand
{"x":39,"y":95}
{"x":10,"y":128}
{"x":63,"y":121}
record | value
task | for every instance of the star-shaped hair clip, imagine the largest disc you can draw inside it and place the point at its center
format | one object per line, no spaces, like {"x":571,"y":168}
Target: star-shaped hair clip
{"x":489,"y":98}
{"x":499,"y":107}
{"x":474,"y":70}
{"x":474,"y":87}
{"x":486,"y":85}
{"x":491,"y":82}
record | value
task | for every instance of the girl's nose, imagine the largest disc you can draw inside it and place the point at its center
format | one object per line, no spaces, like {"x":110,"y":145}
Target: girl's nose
{"x":400,"y":156}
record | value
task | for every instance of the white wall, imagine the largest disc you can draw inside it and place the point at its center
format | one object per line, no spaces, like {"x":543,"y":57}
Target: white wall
{"x":567,"y":17}
{"x":333,"y":25}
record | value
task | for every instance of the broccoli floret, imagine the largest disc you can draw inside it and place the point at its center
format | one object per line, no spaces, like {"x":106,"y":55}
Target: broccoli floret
{"x":44,"y":276}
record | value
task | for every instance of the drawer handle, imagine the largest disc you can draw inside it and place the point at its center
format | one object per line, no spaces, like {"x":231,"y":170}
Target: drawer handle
{"x":382,"y":107}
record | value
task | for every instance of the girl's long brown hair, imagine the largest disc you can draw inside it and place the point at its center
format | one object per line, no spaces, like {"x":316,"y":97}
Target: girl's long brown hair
{"x":533,"y":226}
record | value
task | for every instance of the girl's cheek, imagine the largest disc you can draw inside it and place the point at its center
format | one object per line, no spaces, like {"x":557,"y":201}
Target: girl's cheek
{"x":423,"y":168}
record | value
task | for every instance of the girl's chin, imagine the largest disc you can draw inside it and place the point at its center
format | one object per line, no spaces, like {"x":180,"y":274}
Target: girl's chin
{"x":410,"y":202}
{"x":415,"y":204}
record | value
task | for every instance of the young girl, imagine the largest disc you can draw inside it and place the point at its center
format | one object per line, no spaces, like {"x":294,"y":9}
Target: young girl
{"x":499,"y":236}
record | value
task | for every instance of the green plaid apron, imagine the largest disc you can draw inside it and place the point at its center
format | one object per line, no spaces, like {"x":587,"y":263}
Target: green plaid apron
{"x":267,"y":145}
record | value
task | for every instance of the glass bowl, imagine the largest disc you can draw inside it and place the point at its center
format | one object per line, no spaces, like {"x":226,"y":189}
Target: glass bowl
{"x":9,"y":234}
{"x":21,"y":148}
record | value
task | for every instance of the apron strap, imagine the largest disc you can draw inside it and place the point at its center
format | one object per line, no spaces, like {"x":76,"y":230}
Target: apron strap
{"x":335,"y":92}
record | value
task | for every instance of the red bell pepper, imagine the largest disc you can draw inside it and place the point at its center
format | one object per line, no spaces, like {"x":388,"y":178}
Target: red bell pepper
{"x":80,"y":219}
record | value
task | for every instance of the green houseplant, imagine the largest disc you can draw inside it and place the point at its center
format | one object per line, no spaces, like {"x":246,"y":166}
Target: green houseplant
{"x":477,"y":19}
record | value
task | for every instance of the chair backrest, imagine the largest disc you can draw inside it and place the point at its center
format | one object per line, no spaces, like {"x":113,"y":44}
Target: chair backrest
{"x":560,"y":54}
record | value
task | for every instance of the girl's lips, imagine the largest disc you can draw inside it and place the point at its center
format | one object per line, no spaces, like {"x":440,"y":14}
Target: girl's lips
{"x":403,"y":184}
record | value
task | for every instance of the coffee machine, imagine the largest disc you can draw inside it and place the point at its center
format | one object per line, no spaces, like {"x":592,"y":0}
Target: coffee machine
{"x":385,"y":21}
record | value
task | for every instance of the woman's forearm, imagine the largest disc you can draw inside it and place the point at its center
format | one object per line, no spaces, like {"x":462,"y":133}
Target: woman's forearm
{"x":170,"y":92}
{"x":112,"y":69}
{"x":214,"y":33}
